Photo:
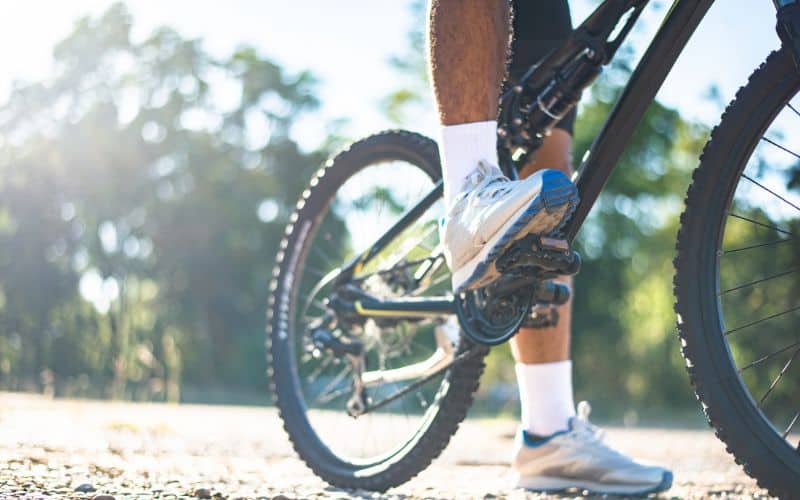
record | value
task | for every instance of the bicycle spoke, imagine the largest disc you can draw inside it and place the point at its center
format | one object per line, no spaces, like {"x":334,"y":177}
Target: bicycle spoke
{"x":333,"y":395}
{"x":761,"y":224}
{"x":404,"y":402}
{"x":426,"y":246}
{"x":773,"y":316}
{"x":315,"y":302}
{"x":778,"y":378}
{"x":324,"y":256}
{"x":793,"y":109}
{"x":776,"y":242}
{"x":325,"y":396}
{"x":307,"y":318}
{"x":315,"y":373}
{"x":761,"y":280}
{"x":791,"y":424}
{"x":433,"y":283}
{"x":768,"y":356}
{"x":380,"y":209}
{"x":316,"y":272}
{"x":773,"y":193}
{"x":781,"y":147}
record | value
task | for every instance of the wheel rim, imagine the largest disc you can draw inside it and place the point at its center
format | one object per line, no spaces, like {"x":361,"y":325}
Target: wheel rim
{"x":367,"y":201}
{"x":758,"y":273}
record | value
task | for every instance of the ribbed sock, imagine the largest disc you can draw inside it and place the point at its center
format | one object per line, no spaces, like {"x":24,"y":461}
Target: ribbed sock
{"x":545,"y":393}
{"x":462,"y":147}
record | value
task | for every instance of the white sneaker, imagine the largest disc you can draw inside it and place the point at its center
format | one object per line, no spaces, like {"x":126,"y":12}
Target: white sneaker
{"x":492,"y":212}
{"x":578,"y":458}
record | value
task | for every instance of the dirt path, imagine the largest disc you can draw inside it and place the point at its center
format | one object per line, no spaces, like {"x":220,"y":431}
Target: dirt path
{"x":51,"y":448}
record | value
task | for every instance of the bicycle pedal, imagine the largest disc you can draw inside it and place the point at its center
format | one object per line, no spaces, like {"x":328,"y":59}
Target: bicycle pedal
{"x":541,"y":316}
{"x":541,"y":254}
{"x":554,"y":244}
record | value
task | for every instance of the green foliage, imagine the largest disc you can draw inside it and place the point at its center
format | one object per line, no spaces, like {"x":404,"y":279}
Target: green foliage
{"x":404,"y":105}
{"x":156,"y":180}
{"x":625,"y":350}
{"x":145,"y":186}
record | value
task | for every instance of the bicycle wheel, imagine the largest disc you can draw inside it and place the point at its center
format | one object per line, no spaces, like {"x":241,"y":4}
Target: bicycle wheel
{"x":349,"y":203}
{"x":737,"y":277}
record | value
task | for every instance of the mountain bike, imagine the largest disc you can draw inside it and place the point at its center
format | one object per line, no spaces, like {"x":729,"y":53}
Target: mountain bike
{"x":374,"y":362}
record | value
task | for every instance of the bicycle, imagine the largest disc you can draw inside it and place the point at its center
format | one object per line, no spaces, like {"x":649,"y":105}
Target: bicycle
{"x":365,"y":338}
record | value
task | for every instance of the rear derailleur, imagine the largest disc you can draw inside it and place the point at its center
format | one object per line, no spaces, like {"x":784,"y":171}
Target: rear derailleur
{"x":525,"y":295}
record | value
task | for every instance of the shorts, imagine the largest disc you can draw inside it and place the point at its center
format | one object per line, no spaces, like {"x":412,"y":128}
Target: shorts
{"x":539,"y":27}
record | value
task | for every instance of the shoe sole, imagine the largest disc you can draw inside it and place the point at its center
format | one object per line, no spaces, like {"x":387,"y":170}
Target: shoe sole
{"x":545,"y":484}
{"x":546,"y":212}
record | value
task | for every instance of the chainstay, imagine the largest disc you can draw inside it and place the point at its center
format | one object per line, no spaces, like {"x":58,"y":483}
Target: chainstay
{"x":470,"y":353}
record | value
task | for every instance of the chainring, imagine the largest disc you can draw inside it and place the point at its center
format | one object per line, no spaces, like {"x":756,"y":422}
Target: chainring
{"x":491,"y":320}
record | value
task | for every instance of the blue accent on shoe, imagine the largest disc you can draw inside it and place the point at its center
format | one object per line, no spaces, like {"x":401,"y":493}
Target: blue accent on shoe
{"x":556,"y":191}
{"x":532,"y":442}
{"x":665,"y":484}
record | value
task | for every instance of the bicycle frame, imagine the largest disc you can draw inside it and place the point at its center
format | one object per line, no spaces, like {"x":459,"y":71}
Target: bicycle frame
{"x":604,"y":154}
{"x":641,"y":89}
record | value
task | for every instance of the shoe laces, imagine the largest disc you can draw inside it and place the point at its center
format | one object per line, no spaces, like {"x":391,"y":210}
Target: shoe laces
{"x":585,"y":433}
{"x":581,"y":426}
{"x":487,"y":181}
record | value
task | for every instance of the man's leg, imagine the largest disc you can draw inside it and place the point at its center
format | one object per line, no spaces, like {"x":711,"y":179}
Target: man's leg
{"x":468,"y":43}
{"x":543,"y":367}
{"x":542,"y":355}
{"x":486,"y":212}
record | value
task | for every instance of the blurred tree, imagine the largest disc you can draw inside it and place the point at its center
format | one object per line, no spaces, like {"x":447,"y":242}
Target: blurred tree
{"x":145,"y":186}
{"x":625,"y":350}
{"x":152,"y":181}
{"x":412,"y":98}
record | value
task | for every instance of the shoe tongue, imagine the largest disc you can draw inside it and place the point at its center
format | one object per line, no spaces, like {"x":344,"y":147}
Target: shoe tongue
{"x":584,"y":410}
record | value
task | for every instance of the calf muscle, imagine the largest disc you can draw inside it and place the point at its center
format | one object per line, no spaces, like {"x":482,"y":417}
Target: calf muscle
{"x":468,"y":44}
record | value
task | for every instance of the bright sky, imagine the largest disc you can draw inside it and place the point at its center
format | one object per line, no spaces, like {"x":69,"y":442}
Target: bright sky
{"x":347,"y":43}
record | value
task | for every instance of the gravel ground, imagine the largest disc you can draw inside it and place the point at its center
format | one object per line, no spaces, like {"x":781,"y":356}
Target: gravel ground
{"x":87,"y":449}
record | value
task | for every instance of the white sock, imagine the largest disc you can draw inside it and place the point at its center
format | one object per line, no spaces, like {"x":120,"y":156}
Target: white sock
{"x":462,"y":147}
{"x":545,"y":393}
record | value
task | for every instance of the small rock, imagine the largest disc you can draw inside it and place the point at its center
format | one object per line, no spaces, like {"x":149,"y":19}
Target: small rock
{"x":84,"y":488}
{"x":202,"y":493}
{"x":103,"y":497}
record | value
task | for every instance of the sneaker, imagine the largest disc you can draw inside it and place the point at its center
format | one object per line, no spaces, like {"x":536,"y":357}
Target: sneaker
{"x":578,"y":458}
{"x":492,"y":212}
